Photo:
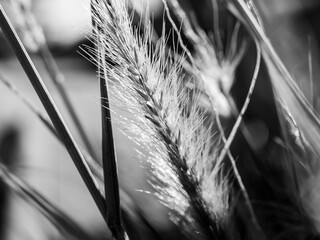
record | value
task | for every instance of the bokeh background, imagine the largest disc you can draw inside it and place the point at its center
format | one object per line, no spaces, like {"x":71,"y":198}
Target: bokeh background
{"x":32,"y":153}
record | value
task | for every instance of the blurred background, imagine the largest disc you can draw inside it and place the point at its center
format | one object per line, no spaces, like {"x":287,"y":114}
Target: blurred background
{"x":31,"y":152}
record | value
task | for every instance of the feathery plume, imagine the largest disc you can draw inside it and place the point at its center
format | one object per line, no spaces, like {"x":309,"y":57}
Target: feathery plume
{"x":214,"y":65}
{"x":167,"y":123}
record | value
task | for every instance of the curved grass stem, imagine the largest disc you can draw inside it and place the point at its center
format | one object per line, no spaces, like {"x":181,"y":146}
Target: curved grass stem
{"x":243,"y":189}
{"x":244,"y":107}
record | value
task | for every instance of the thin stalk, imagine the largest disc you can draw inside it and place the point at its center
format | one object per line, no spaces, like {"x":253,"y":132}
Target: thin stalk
{"x":243,"y":189}
{"x":310,"y":72}
{"x":216,"y":29}
{"x":29,"y":104}
{"x":243,"y":128}
{"x":307,"y":119}
{"x":185,"y":22}
{"x":109,"y":159}
{"x":36,"y":33}
{"x":58,"y":80}
{"x":93,"y":164}
{"x":52,"y":111}
{"x":57,"y":217}
{"x":127,"y":205}
{"x":244,"y":107}
{"x":259,"y":34}
{"x":175,"y":28}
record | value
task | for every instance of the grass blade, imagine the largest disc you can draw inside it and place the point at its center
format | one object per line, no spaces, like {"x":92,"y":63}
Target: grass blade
{"x":57,"y":217}
{"x":93,"y":163}
{"x":286,"y":88}
{"x":58,"y":79}
{"x":149,"y":86}
{"x":133,"y":216}
{"x":28,"y":103}
{"x":52,"y":111}
{"x":35,"y":41}
{"x":109,"y":159}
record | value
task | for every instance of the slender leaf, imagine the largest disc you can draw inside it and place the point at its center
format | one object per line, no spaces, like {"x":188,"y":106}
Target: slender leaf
{"x":57,"y":217}
{"x":52,"y":111}
{"x":58,"y":80}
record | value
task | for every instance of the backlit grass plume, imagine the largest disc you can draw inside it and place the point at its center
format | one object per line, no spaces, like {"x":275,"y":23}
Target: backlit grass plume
{"x":149,"y":84}
{"x":175,"y":93}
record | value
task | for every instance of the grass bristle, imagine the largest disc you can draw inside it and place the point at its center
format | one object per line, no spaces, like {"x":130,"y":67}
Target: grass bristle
{"x":150,"y":86}
{"x":192,"y":129}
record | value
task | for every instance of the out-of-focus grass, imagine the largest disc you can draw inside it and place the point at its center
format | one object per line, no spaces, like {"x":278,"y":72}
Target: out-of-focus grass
{"x":44,"y":163}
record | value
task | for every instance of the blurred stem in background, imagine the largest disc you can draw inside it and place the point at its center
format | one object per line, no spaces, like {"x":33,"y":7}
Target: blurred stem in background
{"x":9,"y":156}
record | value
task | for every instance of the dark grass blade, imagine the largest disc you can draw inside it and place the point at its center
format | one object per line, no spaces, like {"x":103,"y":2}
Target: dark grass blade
{"x":58,"y":79}
{"x":58,"y":218}
{"x":52,"y":111}
{"x":28,"y":26}
{"x":109,"y":159}
{"x":109,"y":162}
{"x":133,"y":217}
{"x":93,"y":163}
